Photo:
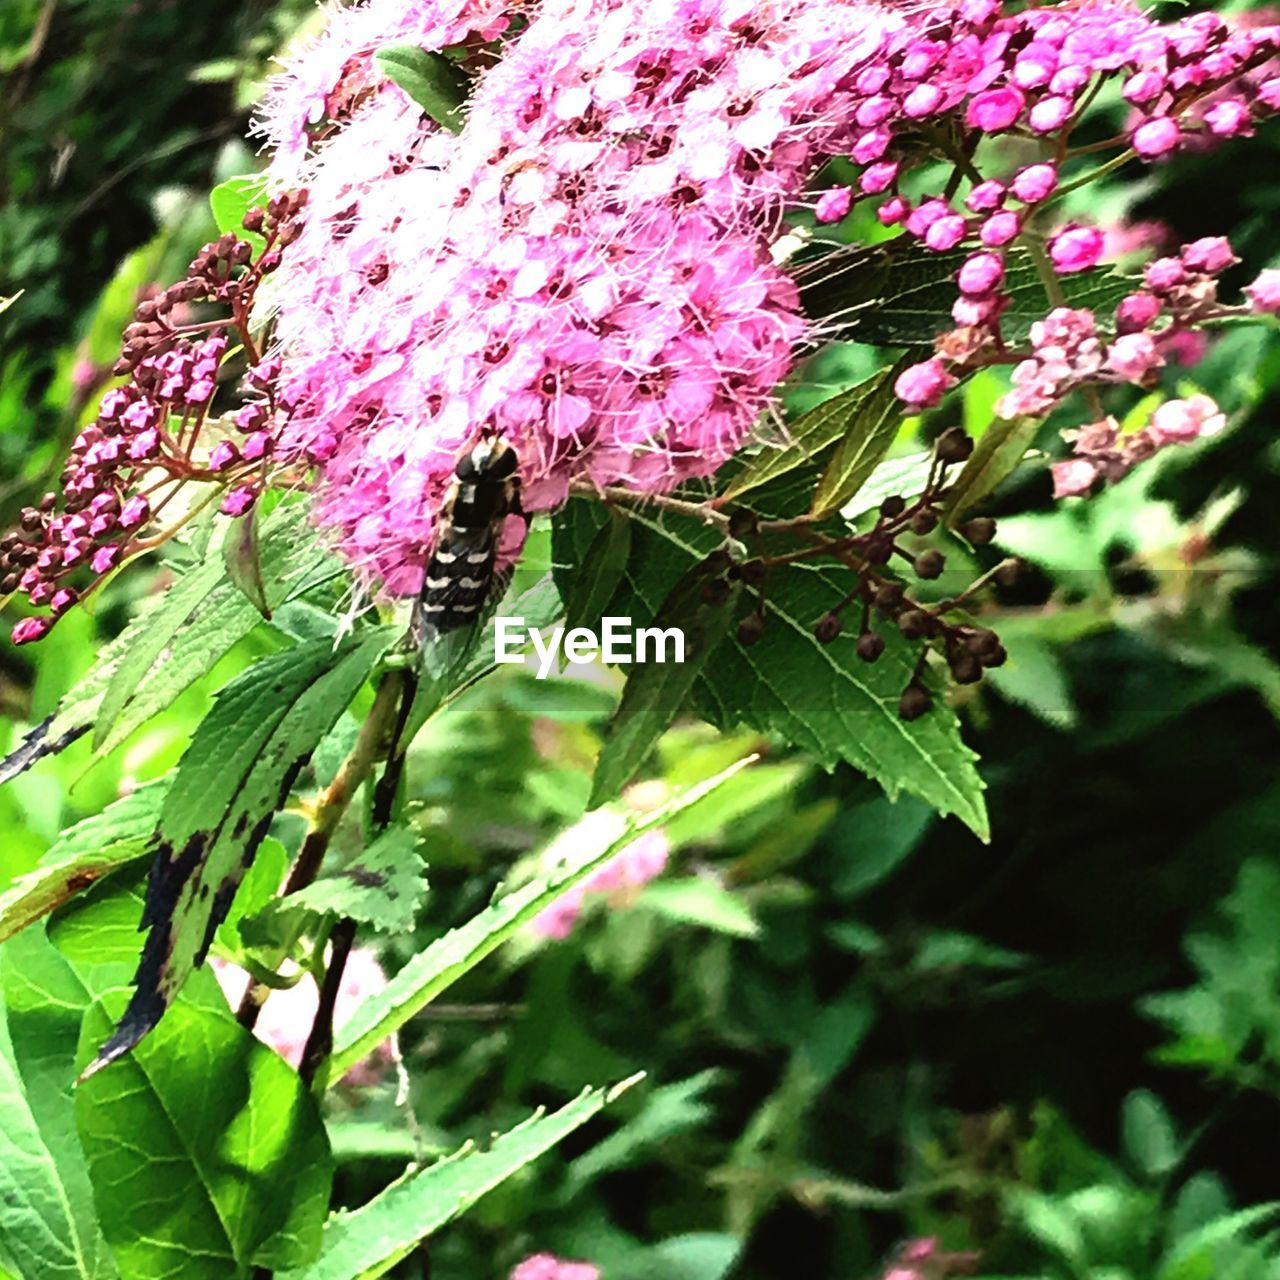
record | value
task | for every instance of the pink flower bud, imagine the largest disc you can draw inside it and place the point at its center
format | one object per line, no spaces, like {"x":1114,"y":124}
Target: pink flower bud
{"x":1050,"y":113}
{"x":1035,"y":183}
{"x":871,"y":146}
{"x":1264,"y":293}
{"x":834,"y":204}
{"x":1073,"y":478}
{"x":1228,"y":119}
{"x":31,"y":629}
{"x":981,"y":274}
{"x":239,"y":500}
{"x":105,"y":558}
{"x":879,"y":177}
{"x":250,"y":417}
{"x":134,"y":512}
{"x":1157,"y":137}
{"x":1133,"y":356}
{"x":892,"y":211}
{"x":224,"y":455}
{"x":1164,"y":274}
{"x":923,"y":100}
{"x":945,"y":233}
{"x":1181,"y":421}
{"x":995,"y":109}
{"x":62,"y":600}
{"x":256,"y":446}
{"x":986,"y":196}
{"x":1210,"y":254}
{"x":1076,"y":249}
{"x":999,"y":229}
{"x":923,"y":385}
{"x":1136,"y":312}
{"x":1143,"y":87}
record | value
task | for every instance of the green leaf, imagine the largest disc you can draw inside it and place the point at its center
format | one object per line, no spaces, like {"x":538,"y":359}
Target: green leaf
{"x":369,"y":1241}
{"x":870,"y":424}
{"x":906,"y":476}
{"x":382,"y":887}
{"x":656,"y":692}
{"x":437,"y":85}
{"x":207,"y":1153}
{"x":820,"y":697}
{"x":666,"y":1111}
{"x":702,"y":901}
{"x":899,"y":294}
{"x":237,"y":771}
{"x":241,"y":557}
{"x":701,"y":1255}
{"x":83,"y":854}
{"x":48,"y":1227}
{"x":815,"y":433}
{"x":232,"y":199}
{"x":997,"y":455}
{"x":432,"y":971}
{"x":196,"y":623}
{"x":1149,"y":1136}
{"x":593,"y":581}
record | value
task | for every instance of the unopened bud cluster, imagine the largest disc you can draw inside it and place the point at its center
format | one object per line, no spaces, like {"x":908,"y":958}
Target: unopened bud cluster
{"x":147,"y":441}
{"x":879,"y":592}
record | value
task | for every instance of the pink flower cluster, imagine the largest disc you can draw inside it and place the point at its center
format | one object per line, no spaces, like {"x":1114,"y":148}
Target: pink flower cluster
{"x":585,"y":268}
{"x":637,"y":864}
{"x":1101,"y":453}
{"x":1068,"y":351}
{"x":285,"y":1021}
{"x":546,"y":1266}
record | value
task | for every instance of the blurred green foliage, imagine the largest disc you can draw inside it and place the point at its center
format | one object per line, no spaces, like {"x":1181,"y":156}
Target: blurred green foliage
{"x":858,"y":1023}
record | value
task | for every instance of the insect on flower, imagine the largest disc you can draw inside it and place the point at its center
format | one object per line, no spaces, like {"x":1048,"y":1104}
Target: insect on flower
{"x":460,"y":575}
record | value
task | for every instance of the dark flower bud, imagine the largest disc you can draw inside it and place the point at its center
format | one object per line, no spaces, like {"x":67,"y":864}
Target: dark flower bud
{"x":924,"y":521}
{"x":893,"y":506}
{"x":269,"y":261}
{"x":888,"y":597}
{"x":31,"y":519}
{"x":878,"y":550}
{"x":1009,"y":572}
{"x":253,"y":219}
{"x":754,"y":572}
{"x":954,"y":445}
{"x":915,"y":701}
{"x":717,"y":562}
{"x":980,"y":641}
{"x":997,"y":657}
{"x":929,"y":564}
{"x":750,"y":629}
{"x":278,"y":205}
{"x":915,"y":623}
{"x":965,"y":668}
{"x":48,"y":502}
{"x":828,"y":628}
{"x":742,"y":523}
{"x":290,"y":232}
{"x":241,"y":253}
{"x":716,"y":591}
{"x":8,"y":584}
{"x":979,"y":531}
{"x":870,"y":646}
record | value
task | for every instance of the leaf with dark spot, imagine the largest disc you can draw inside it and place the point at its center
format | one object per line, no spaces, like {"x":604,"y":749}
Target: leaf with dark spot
{"x":383,"y":887}
{"x":237,"y":771}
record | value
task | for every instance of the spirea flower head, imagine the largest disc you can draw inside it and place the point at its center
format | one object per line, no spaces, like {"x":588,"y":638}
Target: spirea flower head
{"x":585,"y":269}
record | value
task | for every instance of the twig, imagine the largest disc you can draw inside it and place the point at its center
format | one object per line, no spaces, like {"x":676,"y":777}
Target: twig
{"x":333,"y":805}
